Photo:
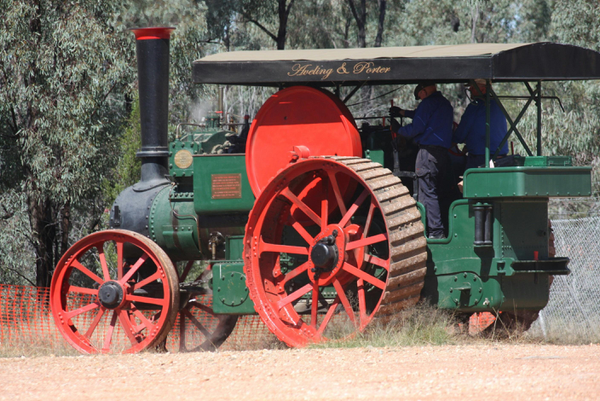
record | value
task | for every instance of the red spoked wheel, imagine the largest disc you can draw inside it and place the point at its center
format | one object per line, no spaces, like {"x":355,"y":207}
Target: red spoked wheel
{"x":200,"y":329}
{"x":310,"y":262}
{"x":114,"y":291}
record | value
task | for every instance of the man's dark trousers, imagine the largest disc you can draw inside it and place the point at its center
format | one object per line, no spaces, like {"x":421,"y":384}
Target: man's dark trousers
{"x":432,"y":165}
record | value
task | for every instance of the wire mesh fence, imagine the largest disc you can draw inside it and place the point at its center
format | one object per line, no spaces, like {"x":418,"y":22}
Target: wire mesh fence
{"x":573,"y":312}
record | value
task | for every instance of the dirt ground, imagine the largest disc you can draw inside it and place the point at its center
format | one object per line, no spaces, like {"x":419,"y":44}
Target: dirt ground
{"x":491,"y":372}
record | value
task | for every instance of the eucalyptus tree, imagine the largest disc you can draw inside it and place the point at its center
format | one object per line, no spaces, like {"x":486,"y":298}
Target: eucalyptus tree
{"x":63,"y":70}
{"x":271,"y":17}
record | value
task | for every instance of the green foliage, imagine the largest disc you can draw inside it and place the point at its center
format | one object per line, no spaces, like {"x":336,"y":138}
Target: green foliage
{"x":128,"y":169}
{"x":63,"y":69}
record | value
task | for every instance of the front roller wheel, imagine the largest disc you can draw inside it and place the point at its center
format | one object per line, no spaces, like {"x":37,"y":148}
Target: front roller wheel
{"x":114,"y":291}
{"x":314,"y":252}
{"x":200,"y":329}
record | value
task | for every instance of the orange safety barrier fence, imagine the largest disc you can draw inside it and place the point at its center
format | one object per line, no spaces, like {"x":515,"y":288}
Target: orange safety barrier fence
{"x":26,"y":318}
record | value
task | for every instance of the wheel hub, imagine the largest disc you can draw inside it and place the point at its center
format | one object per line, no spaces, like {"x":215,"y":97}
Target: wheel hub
{"x":324,"y":254}
{"x":110,"y":294}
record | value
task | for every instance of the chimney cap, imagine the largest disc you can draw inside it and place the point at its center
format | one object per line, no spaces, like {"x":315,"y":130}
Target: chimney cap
{"x":152,"y":33}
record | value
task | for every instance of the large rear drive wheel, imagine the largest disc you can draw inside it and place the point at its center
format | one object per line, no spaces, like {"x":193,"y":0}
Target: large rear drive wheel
{"x":333,"y":239}
{"x":114,"y":291}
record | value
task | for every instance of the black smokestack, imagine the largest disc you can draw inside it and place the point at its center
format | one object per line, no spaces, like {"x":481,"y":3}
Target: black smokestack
{"x":153,"y":79}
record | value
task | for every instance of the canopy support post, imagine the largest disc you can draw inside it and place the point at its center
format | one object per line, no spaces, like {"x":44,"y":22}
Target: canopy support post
{"x":538,"y":101}
{"x":353,"y":91}
{"x":488,"y":87}
{"x":513,"y":124}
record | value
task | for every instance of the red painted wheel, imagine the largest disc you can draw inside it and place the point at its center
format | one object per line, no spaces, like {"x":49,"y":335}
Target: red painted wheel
{"x":349,"y":260}
{"x":114,"y":291}
{"x":199,"y":328}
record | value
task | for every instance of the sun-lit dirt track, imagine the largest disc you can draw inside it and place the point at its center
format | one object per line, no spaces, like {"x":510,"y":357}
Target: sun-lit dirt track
{"x":489,"y":371}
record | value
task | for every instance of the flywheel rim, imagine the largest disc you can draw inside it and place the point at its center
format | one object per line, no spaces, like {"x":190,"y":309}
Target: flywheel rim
{"x":95,"y":327}
{"x":380,"y":273}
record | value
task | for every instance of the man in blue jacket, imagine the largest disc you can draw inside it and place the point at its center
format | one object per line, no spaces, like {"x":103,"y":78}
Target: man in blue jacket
{"x":471,"y":130}
{"x":431,"y":129}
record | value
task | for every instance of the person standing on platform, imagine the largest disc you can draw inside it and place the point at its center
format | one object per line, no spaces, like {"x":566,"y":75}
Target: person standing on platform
{"x":431,"y":129}
{"x":472,"y":126}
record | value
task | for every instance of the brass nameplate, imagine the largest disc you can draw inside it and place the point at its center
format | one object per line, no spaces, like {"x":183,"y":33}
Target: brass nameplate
{"x":226,"y":186}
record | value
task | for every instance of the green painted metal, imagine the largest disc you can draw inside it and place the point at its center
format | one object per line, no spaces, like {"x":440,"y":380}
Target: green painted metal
{"x":467,"y":278}
{"x":173,"y":225}
{"x":527,"y":181}
{"x":234,"y":247}
{"x":221,"y":184}
{"x":230,"y":293}
{"x":376,"y":155}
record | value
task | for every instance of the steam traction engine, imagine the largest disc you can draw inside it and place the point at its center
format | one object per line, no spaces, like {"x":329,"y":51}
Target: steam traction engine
{"x":307,"y":228}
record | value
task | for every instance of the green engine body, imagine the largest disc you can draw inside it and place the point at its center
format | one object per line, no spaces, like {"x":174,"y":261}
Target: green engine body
{"x":494,"y":258}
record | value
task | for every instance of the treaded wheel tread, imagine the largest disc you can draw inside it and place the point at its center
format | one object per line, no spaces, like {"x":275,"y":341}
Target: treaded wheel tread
{"x":408,"y":246}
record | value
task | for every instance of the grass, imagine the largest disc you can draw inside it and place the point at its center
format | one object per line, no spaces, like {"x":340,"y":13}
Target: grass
{"x":421,"y":325}
{"x":418,"y":326}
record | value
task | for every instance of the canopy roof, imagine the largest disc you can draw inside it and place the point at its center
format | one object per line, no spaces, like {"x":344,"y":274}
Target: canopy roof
{"x":388,"y":65}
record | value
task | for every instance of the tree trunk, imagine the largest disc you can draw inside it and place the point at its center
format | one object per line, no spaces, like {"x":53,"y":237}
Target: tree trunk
{"x":379,"y":37}
{"x":360,"y":16}
{"x":65,"y":228}
{"x":43,"y":230}
{"x":284,"y":13}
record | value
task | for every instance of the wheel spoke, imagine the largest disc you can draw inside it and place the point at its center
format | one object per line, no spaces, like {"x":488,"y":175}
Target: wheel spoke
{"x":279,"y":248}
{"x":377,"y":261}
{"x":134,"y":268}
{"x":315,"y":305}
{"x":357,"y":203}
{"x":145,"y":323}
{"x":148,"y":280}
{"x":295,"y":273}
{"x":197,"y":323}
{"x":203,"y":308}
{"x":82,"y":290}
{"x":329,"y":315}
{"x":362,"y":304}
{"x":128,"y":327}
{"x":109,"y":332}
{"x":164,"y":302}
{"x":102,"y":258}
{"x":369,"y":217}
{"x":86,"y":271}
{"x":337,"y":192}
{"x":366,"y":241}
{"x":364,"y":275}
{"x":302,"y":231}
{"x":182,"y":339}
{"x":119,"y":260}
{"x":294,"y":296}
{"x":344,"y":299}
{"x":324,"y":205}
{"x":302,"y":206}
{"x":79,"y":311}
{"x":90,"y":330}
{"x":186,"y":271}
